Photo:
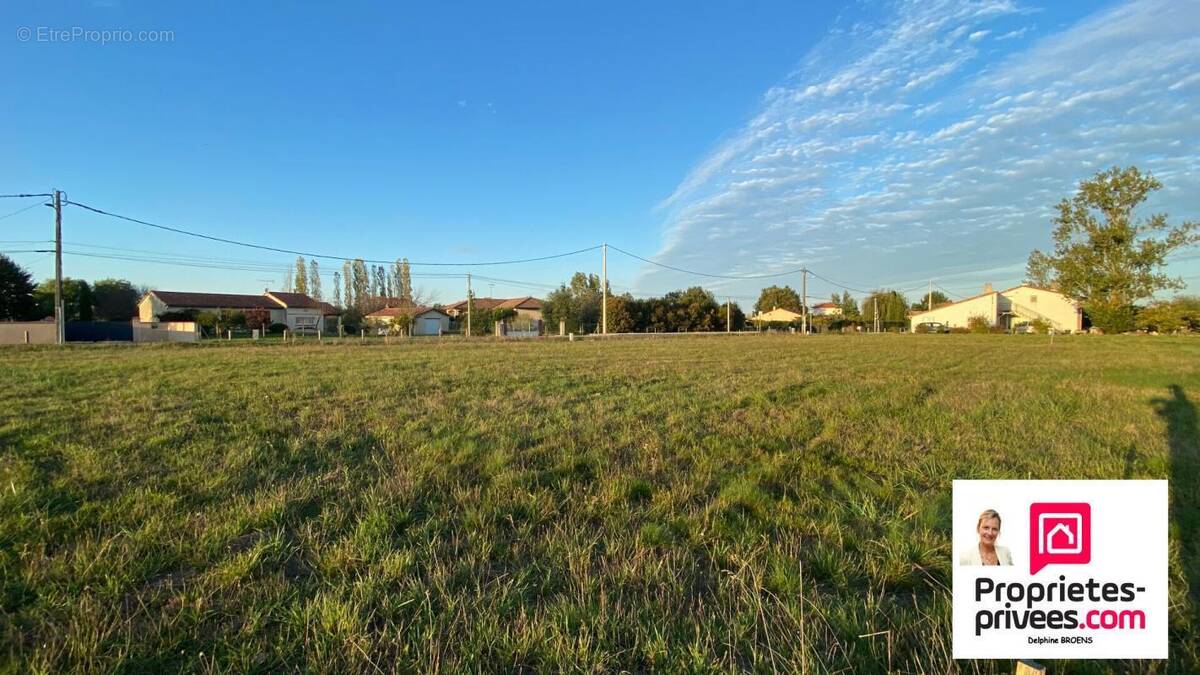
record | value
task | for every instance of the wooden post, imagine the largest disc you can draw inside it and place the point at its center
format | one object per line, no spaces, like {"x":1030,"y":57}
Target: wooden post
{"x":26,"y":337}
{"x":362,"y":336}
{"x":1030,"y":668}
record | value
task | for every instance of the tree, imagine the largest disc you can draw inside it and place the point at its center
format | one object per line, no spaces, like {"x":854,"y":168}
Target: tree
{"x":1171,"y":316}
{"x":620,"y":317}
{"x":578,"y":304}
{"x":1103,"y":257}
{"x":937,"y":298}
{"x":891,"y":306}
{"x":782,"y":297}
{"x":77,"y":299}
{"x":406,"y":289}
{"x":362,"y":283}
{"x":347,"y":279}
{"x":314,"y":279}
{"x":378,"y":283}
{"x":337,"y":288}
{"x":849,"y":306}
{"x":257,"y":318}
{"x":300,"y":284}
{"x":16,"y":292}
{"x":114,"y":300}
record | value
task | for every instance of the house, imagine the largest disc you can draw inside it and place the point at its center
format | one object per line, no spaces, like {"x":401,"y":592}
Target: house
{"x":827,"y":309}
{"x":1006,"y":309}
{"x":423,"y":320}
{"x":777,"y":315}
{"x":527,"y":307}
{"x":297,"y":311}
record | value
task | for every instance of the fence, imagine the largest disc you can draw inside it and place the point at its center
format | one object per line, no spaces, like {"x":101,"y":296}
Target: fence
{"x":165,"y":331}
{"x":99,"y":331}
{"x":27,"y":332}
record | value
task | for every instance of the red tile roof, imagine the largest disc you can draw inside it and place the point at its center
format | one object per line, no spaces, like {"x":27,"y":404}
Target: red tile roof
{"x":215,"y":300}
{"x":410,"y":310}
{"x":826,"y":305}
{"x":294,"y":300}
{"x":527,"y":302}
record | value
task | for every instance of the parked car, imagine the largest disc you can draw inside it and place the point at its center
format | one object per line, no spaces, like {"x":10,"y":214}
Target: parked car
{"x":931,"y":327}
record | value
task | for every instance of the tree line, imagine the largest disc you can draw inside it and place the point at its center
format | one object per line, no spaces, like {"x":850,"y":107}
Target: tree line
{"x":103,"y":300}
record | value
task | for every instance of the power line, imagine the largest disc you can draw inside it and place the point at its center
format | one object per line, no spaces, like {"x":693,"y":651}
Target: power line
{"x":38,"y":194}
{"x":21,"y":210}
{"x":321,"y":255}
{"x":705,"y":274}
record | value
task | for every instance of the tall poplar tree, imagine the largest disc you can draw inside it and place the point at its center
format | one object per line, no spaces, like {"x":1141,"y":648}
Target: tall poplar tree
{"x":406,"y":289}
{"x":300,"y":284}
{"x":314,"y":279}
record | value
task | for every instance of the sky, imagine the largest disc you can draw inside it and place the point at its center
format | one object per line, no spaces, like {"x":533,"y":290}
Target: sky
{"x":874,"y":143}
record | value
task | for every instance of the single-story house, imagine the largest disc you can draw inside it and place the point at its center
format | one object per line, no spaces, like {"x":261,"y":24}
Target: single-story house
{"x":777,"y":315}
{"x":1007,"y":308}
{"x":423,"y":320}
{"x":527,"y":307}
{"x":295,"y":310}
{"x":827,"y":309}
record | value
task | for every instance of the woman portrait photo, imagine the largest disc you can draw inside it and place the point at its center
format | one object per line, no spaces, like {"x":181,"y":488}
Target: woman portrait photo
{"x":986,"y":552}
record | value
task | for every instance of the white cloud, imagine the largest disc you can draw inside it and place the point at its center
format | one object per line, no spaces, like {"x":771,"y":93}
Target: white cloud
{"x":909,"y":135}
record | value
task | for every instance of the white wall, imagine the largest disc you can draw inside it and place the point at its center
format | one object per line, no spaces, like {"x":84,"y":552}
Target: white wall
{"x":1030,"y":303}
{"x":419,"y":323}
{"x":958,"y":314}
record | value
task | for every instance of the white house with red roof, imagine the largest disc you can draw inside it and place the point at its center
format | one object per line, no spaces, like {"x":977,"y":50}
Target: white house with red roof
{"x":297,"y":311}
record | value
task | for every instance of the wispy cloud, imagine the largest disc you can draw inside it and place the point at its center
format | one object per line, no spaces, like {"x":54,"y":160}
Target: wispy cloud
{"x":911,"y":148}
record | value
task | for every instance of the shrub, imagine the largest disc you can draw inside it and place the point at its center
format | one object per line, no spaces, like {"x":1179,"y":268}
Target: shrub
{"x":921,"y":328}
{"x":979,"y":324}
{"x":277,"y":328}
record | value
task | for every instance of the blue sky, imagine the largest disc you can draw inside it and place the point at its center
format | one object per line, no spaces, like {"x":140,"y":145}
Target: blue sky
{"x":876,"y":143}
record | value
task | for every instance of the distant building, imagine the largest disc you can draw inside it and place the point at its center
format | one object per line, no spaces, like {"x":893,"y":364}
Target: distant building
{"x":297,"y":311}
{"x":827,"y":309}
{"x":527,"y":307}
{"x":1006,"y":309}
{"x":422,"y":320}
{"x":777,"y":315}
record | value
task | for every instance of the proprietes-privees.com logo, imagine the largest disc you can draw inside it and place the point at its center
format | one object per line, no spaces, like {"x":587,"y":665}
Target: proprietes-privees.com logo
{"x":1073,"y":602}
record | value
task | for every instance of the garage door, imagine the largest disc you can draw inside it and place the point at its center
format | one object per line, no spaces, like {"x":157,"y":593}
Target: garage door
{"x":432,"y":326}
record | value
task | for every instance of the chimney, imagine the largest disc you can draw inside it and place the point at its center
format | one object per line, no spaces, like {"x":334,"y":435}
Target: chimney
{"x":987,"y":288}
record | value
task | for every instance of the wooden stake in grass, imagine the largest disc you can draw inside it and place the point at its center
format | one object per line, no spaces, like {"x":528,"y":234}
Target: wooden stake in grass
{"x":1030,"y":668}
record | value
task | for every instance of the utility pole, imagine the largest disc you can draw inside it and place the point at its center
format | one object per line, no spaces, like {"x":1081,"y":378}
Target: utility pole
{"x":469,"y":303}
{"x":60,"y":320}
{"x":604,"y":289}
{"x":875,"y":312}
{"x":728,"y":320}
{"x":930,"y":296}
{"x":804,"y":301}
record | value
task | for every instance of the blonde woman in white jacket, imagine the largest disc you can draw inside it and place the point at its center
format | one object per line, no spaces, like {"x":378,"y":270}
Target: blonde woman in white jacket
{"x":986,"y":552}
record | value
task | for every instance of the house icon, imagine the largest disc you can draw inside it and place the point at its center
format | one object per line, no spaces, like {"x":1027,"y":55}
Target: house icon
{"x":1064,"y":534}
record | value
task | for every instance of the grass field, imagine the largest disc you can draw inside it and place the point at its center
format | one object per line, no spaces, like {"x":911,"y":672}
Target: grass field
{"x":682,"y":505}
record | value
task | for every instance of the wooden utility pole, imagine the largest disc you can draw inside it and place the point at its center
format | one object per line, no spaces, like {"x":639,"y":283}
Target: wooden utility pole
{"x":728,"y":319}
{"x":604,"y":290}
{"x":804,"y":300}
{"x":60,"y":320}
{"x":469,"y":303}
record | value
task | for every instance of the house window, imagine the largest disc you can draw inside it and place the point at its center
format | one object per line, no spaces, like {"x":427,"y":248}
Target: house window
{"x":306,"y":321}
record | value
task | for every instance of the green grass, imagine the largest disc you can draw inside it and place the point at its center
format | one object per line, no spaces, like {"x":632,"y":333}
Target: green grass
{"x":682,"y":505}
